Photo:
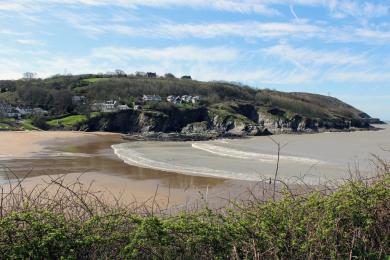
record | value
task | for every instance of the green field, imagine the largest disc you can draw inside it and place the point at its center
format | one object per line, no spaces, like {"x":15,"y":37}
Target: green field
{"x":67,"y":121}
{"x":4,"y":126}
{"x":27,"y":125}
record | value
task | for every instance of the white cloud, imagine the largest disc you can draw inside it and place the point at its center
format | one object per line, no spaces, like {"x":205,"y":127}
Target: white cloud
{"x":365,"y":9}
{"x":241,"y":29}
{"x":31,"y":42}
{"x":242,"y":6}
{"x":179,"y":53}
{"x":311,"y":57}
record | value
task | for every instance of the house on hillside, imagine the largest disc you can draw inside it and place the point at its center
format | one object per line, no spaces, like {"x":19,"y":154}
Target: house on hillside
{"x":24,"y":112}
{"x":123,"y":107}
{"x":151,"y":98}
{"x":195,"y":99}
{"x":106,"y":107}
{"x":5,"y":107}
{"x":110,"y":106}
{"x":183,"y":99}
{"x":39,"y":111}
{"x":174,"y":99}
{"x":6,"y":110}
{"x":78,"y":99}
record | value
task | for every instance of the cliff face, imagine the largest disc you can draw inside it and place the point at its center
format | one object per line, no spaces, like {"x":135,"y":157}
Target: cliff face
{"x":231,"y":119}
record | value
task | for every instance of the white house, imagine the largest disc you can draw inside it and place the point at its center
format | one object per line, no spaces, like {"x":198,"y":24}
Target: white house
{"x":174,"y":99}
{"x":183,"y":99}
{"x":123,"y":107}
{"x":195,"y":99}
{"x":109,"y":106}
{"x":151,"y":98}
{"x":24,"y":111}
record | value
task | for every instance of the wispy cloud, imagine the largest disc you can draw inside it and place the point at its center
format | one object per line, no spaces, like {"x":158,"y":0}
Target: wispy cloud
{"x":366,"y":9}
{"x":312,"y":57}
{"x":241,"y":29}
{"x":178,"y":53}
{"x":31,"y":42}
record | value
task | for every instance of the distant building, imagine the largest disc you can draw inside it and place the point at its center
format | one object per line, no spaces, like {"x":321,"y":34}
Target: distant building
{"x":24,"y":111}
{"x":39,"y":111}
{"x":123,"y":107}
{"x":151,"y":98}
{"x":109,"y":106}
{"x":151,"y":75}
{"x":174,"y":99}
{"x":195,"y":99}
{"x":78,"y":99}
{"x":7,"y":110}
{"x":106,"y":107}
{"x":183,"y":99}
{"x":186,"y":77}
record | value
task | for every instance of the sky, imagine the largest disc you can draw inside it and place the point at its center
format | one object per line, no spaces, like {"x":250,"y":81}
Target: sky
{"x":332,"y":47}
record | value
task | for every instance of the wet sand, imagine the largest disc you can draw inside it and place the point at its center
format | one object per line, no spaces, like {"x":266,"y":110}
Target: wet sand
{"x":89,"y":155}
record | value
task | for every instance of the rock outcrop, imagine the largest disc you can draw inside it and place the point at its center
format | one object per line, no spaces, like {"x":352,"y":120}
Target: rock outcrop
{"x":202,"y":123}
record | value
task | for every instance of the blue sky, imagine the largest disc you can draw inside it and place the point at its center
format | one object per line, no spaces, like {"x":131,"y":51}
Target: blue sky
{"x":336,"y":47}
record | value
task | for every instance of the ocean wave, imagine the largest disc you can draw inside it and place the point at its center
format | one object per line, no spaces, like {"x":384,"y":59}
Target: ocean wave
{"x":132,"y":157}
{"x":233,"y":153}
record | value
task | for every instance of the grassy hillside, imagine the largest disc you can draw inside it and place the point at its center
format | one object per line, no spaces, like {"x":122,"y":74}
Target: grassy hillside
{"x":55,"y":95}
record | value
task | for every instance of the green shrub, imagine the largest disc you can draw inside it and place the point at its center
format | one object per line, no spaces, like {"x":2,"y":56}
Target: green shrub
{"x":353,"y":222}
{"x":40,"y":122}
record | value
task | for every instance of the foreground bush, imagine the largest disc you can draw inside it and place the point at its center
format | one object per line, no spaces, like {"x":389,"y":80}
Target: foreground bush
{"x":353,"y":222}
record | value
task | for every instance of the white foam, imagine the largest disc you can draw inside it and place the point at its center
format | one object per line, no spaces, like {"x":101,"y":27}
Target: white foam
{"x":132,"y":157}
{"x":233,"y":153}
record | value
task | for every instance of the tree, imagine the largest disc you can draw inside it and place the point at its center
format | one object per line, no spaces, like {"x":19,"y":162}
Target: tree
{"x":29,"y":75}
{"x":120,"y":73}
{"x":40,"y":122}
{"x":62,"y":101}
{"x":169,"y":76}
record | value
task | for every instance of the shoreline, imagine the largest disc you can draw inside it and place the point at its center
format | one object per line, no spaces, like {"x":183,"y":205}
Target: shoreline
{"x":90,"y":154}
{"x":208,"y":136}
{"x":104,"y":171}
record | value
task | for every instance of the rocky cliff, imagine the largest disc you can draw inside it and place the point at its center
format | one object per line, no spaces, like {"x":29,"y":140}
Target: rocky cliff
{"x":224,"y":119}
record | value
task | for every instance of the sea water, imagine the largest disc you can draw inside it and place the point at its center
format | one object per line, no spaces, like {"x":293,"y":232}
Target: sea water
{"x":313,"y":158}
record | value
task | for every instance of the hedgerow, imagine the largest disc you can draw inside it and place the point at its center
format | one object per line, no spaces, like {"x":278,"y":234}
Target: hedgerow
{"x":352,"y":222}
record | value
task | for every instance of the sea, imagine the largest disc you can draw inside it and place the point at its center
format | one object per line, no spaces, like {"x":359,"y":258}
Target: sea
{"x":312,"y":158}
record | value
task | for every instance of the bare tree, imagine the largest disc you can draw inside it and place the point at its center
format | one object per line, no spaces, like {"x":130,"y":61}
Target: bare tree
{"x":29,"y":75}
{"x":120,"y":73}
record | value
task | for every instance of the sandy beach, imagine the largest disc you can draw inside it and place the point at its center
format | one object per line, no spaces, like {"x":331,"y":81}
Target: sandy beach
{"x":17,"y":144}
{"x":39,"y":157}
